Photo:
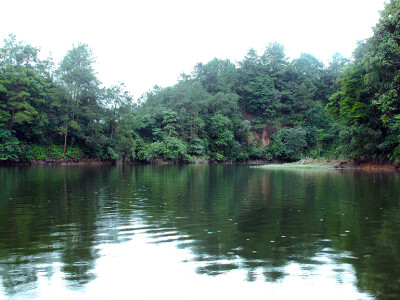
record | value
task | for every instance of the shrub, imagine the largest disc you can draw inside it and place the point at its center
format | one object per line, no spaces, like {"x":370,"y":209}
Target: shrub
{"x":54,"y":152}
{"x":171,"y":148}
{"x":9,"y":145}
{"x":289,"y":143}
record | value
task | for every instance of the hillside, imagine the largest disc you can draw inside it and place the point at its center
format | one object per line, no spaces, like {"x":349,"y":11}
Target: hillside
{"x":263,"y":107}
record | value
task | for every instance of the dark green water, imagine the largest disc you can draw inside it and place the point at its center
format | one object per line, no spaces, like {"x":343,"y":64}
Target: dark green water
{"x":198,"y":231}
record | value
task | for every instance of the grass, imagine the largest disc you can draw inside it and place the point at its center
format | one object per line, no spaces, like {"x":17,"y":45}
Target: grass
{"x":302,"y":164}
{"x":331,"y":164}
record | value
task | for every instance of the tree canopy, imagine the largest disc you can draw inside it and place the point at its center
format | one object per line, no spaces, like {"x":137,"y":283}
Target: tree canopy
{"x":263,"y":107}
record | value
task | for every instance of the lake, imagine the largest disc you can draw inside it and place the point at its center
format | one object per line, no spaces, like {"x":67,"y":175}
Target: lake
{"x":198,"y":232}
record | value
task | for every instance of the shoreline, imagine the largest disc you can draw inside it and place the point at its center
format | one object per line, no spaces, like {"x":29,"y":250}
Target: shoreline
{"x":59,"y":162}
{"x":327,"y":164}
{"x":316,"y":164}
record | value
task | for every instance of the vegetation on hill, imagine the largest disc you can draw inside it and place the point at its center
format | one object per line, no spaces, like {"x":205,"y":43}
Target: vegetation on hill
{"x":263,"y":107}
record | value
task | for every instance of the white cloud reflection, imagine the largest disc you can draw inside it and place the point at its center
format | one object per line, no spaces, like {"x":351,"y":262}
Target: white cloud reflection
{"x":139,"y":269}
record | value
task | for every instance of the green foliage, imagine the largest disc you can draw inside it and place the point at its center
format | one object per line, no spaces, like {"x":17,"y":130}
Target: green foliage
{"x":200,"y":116}
{"x":216,"y":76}
{"x":360,"y":142}
{"x":53,"y":153}
{"x":222,"y":139}
{"x":382,"y":62}
{"x":353,"y":102}
{"x":367,"y":104}
{"x":256,"y":152}
{"x":289,"y":144}
{"x":396,"y":154}
{"x":9,"y":145}
{"x":301,"y":107}
{"x":197,"y":147}
{"x":170,"y":149}
{"x":256,"y":87}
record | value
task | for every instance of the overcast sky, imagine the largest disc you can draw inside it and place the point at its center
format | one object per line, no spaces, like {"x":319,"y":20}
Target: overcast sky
{"x":143,"y":43}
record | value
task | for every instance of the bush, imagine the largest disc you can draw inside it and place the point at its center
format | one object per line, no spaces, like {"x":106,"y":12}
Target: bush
{"x":255,"y":152}
{"x":10,"y":148}
{"x":74,"y":153}
{"x":289,"y":143}
{"x":54,"y":152}
{"x":170,"y":149}
{"x":196,"y":147}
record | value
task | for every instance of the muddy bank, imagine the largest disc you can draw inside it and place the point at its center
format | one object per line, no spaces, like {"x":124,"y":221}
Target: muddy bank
{"x":373,"y":166}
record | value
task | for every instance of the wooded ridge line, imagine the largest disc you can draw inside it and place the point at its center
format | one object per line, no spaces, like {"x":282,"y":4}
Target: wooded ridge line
{"x":265,"y":107}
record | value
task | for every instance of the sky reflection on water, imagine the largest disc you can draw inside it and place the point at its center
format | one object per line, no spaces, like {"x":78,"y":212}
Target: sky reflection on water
{"x":141,"y":269}
{"x":195,"y":232}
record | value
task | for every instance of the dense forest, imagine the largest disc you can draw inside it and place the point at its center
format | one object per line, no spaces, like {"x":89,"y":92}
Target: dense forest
{"x":263,"y":107}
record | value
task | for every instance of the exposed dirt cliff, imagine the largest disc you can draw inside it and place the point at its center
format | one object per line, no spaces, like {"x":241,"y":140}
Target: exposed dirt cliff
{"x":259,"y":137}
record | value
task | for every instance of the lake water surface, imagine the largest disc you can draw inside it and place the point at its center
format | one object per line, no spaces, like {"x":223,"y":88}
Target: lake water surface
{"x":198,"y":232}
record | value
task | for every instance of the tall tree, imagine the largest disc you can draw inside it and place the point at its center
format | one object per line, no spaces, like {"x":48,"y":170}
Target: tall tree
{"x":216,"y":76}
{"x":275,"y":60}
{"x":368,"y":104}
{"x":115,"y":98}
{"x":256,"y":87}
{"x":23,"y":89}
{"x":382,"y":62}
{"x":76,"y":73}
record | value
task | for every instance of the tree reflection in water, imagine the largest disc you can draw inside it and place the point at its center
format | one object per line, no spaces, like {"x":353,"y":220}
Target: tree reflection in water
{"x":271,"y":224}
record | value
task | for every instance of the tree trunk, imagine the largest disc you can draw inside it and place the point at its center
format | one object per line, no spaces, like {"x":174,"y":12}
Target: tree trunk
{"x":66,"y":128}
{"x":112,"y":130}
{"x":11,"y":120}
{"x":65,"y":138}
{"x":113,"y":122}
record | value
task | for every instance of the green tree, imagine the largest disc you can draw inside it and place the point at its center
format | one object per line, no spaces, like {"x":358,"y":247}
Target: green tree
{"x":216,"y":76}
{"x":10,"y":148}
{"x":276,"y":62}
{"x":289,"y":143}
{"x":116,"y":99}
{"x":256,"y":87}
{"x":24,"y":91}
{"x":14,"y":54}
{"x":221,"y":136}
{"x":367,"y":105}
{"x":77,"y":75}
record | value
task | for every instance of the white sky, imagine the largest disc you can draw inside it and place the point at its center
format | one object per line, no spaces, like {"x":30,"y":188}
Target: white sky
{"x":148,"y":42}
